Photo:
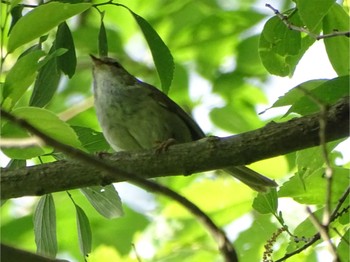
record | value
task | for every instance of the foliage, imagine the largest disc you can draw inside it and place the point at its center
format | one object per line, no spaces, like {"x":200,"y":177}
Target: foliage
{"x":46,"y":79}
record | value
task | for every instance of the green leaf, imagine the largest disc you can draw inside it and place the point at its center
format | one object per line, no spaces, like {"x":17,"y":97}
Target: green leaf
{"x":296,"y":93}
{"x":68,"y":61}
{"x":280,"y":48}
{"x":91,"y":140}
{"x":338,"y":48}
{"x":102,"y":40}
{"x":328,"y":93}
{"x":20,"y":77}
{"x":105,"y":200}
{"x":303,"y":189}
{"x":303,"y":232}
{"x":16,"y":163}
{"x":163,"y":59}
{"x":41,"y":20}
{"x":266,"y":203}
{"x":46,"y":84}
{"x":45,"y":227}
{"x":276,"y":43}
{"x":312,"y":12}
{"x":49,"y":123}
{"x":343,"y":247}
{"x":45,"y":121}
{"x":248,"y":61}
{"x":10,"y":130}
{"x":84,"y":231}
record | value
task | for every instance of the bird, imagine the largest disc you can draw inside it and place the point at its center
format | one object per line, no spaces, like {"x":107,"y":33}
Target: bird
{"x":135,"y":115}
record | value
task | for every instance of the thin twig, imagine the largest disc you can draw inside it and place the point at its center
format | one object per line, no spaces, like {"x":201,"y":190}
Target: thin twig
{"x":317,"y":236}
{"x":326,"y":220}
{"x":324,"y":233}
{"x":290,"y":26}
{"x":225,"y":247}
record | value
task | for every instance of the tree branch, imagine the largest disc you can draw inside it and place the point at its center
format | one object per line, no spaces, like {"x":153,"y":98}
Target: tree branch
{"x":108,"y":170}
{"x":207,"y":154}
{"x":290,"y":26}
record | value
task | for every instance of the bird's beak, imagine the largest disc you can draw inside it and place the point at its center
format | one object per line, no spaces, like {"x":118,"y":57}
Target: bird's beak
{"x":95,"y":60}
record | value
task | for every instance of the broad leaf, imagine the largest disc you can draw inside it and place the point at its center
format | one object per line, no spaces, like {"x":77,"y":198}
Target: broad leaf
{"x":338,"y":48}
{"x":312,"y":12}
{"x":266,"y":203}
{"x":41,"y":20}
{"x":327,"y":93}
{"x":20,"y":77}
{"x":45,"y":121}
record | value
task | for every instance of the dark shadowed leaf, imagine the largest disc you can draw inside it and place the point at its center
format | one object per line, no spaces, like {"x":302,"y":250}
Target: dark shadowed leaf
{"x":68,"y":61}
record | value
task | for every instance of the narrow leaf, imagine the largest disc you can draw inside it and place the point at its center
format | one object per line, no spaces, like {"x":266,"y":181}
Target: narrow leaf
{"x":105,"y":200}
{"x":84,"y":231}
{"x":41,"y":20}
{"x":45,"y":227}
{"x":162,"y":57}
{"x":102,"y":40}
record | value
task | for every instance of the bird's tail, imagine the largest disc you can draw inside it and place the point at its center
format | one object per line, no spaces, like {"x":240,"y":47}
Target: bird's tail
{"x":251,"y":178}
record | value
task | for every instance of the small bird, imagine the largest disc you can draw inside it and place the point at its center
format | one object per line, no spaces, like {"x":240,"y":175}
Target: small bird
{"x":136,"y":115}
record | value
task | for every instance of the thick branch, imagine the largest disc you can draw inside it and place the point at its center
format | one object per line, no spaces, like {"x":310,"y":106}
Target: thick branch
{"x":207,"y":154}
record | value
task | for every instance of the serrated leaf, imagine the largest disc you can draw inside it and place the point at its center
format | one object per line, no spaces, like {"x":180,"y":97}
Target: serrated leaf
{"x":84,"y":231}
{"x":41,"y":20}
{"x":338,"y":48}
{"x":327,"y":93}
{"x":303,"y":189}
{"x":296,"y":93}
{"x":266,"y":203}
{"x":105,"y":200}
{"x":162,"y":57}
{"x":91,"y":140}
{"x":343,"y":247}
{"x":64,"y":39}
{"x":45,"y":227}
{"x":20,"y":77}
